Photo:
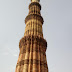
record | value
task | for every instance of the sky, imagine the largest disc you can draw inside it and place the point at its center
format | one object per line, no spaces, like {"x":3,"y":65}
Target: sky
{"x":57,"y":30}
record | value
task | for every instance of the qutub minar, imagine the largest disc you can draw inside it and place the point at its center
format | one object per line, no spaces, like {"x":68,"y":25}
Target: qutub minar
{"x":32,"y":56}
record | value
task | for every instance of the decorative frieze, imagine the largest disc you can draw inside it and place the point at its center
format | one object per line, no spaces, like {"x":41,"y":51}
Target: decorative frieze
{"x":32,"y":61}
{"x":34,"y":16}
{"x":33,"y":50}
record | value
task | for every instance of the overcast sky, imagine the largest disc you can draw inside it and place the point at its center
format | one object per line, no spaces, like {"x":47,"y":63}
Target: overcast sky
{"x":57,"y":30}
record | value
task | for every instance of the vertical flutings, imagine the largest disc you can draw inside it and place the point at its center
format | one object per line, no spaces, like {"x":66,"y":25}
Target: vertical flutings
{"x":32,"y":56}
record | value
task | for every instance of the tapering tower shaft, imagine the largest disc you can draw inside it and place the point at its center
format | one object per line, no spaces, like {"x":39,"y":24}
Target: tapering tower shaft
{"x":32,"y":56}
{"x":34,"y":20}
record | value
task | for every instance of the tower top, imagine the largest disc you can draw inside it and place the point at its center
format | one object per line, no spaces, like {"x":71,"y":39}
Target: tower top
{"x":35,"y":0}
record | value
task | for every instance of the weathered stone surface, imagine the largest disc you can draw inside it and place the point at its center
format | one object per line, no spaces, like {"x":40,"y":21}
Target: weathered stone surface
{"x":32,"y":56}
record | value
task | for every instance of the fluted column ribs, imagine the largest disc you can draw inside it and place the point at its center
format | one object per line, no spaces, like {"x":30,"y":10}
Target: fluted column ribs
{"x":39,"y":57}
{"x":32,"y":56}
{"x":33,"y":28}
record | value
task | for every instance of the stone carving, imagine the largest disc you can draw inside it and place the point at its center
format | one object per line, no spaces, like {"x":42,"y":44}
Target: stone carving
{"x":34,"y":16}
{"x":36,"y":4}
{"x":28,"y":39}
{"x":32,"y":56}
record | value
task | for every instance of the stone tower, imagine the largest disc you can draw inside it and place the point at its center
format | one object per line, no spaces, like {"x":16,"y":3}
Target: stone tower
{"x":32,"y":56}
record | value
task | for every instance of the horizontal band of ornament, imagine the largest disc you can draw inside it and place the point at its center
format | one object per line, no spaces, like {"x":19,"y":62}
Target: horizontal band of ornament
{"x":34,"y":16}
{"x":34,"y":31}
{"x":32,"y":39}
{"x":35,"y":3}
{"x":32,"y":61}
{"x":32,"y":52}
{"x":24,"y":50}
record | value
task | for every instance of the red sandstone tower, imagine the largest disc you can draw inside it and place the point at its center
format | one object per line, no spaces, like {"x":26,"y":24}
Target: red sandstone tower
{"x":32,"y":56}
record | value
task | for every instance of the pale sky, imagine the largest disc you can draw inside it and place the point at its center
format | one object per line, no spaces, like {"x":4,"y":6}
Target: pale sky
{"x":57,"y":30}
